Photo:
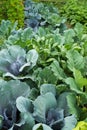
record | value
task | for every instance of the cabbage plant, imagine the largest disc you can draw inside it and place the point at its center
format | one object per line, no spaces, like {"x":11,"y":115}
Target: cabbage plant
{"x":36,"y":17}
{"x":43,"y":112}
{"x":19,"y":112}
{"x":14,"y":60}
{"x":9,"y":92}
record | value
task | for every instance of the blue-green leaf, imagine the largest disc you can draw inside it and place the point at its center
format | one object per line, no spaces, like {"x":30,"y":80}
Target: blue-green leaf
{"x":63,"y":104}
{"x":9,"y":91}
{"x":46,"y":76}
{"x":32,"y":57}
{"x":69,"y":34}
{"x":24,"y":104}
{"x":72,"y":104}
{"x":44,"y":88}
{"x":70,"y":123}
{"x":42,"y":104}
{"x":41,"y":126}
{"x":73,"y":86}
{"x":75,"y":60}
{"x":58,"y":71}
{"x":29,"y":121}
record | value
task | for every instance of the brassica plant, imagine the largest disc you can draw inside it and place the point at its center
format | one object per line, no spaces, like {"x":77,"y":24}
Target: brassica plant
{"x":19,"y":112}
{"x":6,"y":29}
{"x":44,"y":112}
{"x":14,"y":59}
{"x":9,"y":92}
{"x":39,"y":14}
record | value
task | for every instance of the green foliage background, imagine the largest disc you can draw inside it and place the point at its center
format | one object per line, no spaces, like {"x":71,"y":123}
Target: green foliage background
{"x":12,"y":10}
{"x":74,"y":10}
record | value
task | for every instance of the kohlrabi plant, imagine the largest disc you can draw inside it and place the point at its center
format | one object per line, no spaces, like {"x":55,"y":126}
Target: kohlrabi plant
{"x":14,"y":60}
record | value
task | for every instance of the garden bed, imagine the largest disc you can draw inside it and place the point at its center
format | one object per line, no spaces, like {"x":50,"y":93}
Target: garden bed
{"x":43,"y":72}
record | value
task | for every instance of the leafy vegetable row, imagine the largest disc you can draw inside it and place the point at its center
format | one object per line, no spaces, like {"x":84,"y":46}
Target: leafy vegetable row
{"x":19,"y":111}
{"x":43,"y":77}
